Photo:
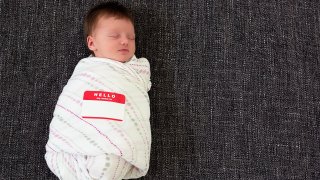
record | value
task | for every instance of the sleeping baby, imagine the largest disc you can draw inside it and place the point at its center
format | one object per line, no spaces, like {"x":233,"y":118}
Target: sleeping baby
{"x":100,"y":128}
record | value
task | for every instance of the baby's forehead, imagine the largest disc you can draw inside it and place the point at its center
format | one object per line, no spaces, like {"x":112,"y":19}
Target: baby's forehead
{"x":113,"y":22}
{"x":110,"y":16}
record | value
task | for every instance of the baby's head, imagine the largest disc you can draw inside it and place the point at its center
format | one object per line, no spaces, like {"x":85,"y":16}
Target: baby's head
{"x":109,"y":31}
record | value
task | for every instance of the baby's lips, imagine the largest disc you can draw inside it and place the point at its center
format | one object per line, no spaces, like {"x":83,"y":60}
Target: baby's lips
{"x":123,"y":50}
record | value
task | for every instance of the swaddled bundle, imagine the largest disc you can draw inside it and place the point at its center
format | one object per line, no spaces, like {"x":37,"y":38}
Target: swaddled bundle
{"x":100,"y":128}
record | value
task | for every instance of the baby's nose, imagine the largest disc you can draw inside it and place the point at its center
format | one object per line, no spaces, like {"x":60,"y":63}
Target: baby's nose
{"x":124,"y":41}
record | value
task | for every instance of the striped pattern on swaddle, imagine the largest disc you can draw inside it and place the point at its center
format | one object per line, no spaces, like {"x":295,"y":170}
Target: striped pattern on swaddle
{"x":80,"y":148}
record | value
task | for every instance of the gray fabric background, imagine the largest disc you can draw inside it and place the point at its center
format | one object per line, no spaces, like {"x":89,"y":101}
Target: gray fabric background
{"x":236,"y":84}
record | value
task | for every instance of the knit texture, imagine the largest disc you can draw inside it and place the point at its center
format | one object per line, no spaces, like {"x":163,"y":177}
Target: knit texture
{"x":235,"y":93}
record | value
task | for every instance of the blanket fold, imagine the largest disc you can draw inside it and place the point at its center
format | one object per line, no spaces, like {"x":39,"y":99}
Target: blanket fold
{"x":98,"y":147}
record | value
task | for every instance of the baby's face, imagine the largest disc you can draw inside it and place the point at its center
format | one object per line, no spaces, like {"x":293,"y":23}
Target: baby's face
{"x":113,"y":38}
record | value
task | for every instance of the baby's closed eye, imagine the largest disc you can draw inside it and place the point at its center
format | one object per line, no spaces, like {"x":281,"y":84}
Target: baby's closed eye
{"x":131,"y":36}
{"x":113,"y":35}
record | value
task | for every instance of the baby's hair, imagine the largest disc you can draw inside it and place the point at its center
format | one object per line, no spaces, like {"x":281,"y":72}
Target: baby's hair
{"x":105,"y":9}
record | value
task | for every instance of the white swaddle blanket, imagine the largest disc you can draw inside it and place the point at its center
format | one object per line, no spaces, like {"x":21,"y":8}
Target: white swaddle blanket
{"x":115,"y":142}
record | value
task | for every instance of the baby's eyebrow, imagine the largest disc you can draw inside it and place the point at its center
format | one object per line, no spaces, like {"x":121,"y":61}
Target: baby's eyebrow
{"x":117,"y":32}
{"x":111,"y":32}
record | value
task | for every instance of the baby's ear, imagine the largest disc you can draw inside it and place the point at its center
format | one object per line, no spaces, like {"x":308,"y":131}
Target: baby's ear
{"x":90,"y":43}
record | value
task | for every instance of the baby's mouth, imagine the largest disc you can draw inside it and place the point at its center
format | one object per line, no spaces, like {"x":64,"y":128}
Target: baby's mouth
{"x":123,"y":50}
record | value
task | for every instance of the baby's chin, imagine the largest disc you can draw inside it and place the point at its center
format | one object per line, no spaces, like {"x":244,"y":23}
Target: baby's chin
{"x":119,"y":59}
{"x":123,"y":60}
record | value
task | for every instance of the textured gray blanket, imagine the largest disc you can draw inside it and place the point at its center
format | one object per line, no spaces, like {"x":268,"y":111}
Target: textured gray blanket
{"x":235,"y":95}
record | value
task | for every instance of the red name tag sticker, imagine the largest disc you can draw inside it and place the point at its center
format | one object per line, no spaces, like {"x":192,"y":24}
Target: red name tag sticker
{"x":103,"y":105}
